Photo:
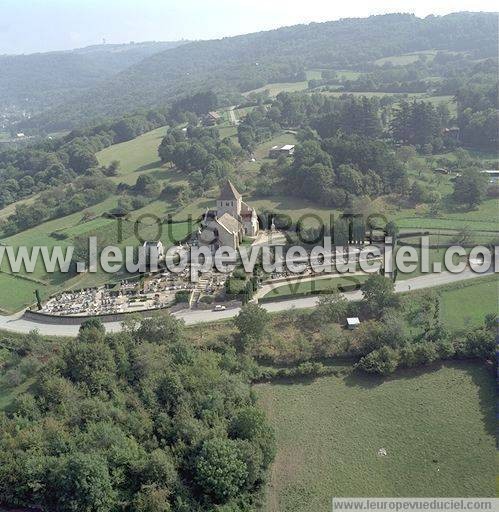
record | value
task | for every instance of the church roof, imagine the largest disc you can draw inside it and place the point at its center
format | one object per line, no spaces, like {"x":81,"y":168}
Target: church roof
{"x":229,"y":223}
{"x":228,"y":191}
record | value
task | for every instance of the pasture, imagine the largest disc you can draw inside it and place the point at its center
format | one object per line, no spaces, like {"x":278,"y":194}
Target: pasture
{"x":275,"y":89}
{"x":466,"y":306}
{"x":136,"y":155}
{"x":436,"y":425}
{"x":406,"y":58}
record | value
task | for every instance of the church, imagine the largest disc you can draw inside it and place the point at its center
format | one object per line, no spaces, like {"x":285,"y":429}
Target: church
{"x":230,"y":222}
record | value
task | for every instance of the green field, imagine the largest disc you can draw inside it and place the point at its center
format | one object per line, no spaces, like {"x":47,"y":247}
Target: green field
{"x":317,"y":286}
{"x":135,"y":156}
{"x":406,"y":58}
{"x":275,"y":89}
{"x":16,"y":293}
{"x":468,"y":305}
{"x":10,"y":209}
{"x":347,"y":74}
{"x":436,"y":425}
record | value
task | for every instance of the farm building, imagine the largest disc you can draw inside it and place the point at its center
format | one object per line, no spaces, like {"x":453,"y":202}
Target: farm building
{"x":211,"y":119}
{"x":492,"y":174}
{"x":286,"y":150}
{"x":452,"y":132}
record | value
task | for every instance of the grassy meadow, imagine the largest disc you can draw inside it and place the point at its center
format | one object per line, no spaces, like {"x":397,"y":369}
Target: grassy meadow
{"x":467,"y":306}
{"x":436,"y":425}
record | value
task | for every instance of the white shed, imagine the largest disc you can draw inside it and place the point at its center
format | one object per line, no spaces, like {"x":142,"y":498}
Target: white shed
{"x":353,"y":322}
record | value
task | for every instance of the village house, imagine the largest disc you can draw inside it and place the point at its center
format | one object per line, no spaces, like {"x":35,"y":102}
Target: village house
{"x":286,"y":150}
{"x":211,"y":119}
{"x":230,"y":222}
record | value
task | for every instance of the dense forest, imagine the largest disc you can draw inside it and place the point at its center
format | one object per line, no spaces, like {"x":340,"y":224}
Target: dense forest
{"x":41,"y":80}
{"x":140,"y":421}
{"x":233,"y":65}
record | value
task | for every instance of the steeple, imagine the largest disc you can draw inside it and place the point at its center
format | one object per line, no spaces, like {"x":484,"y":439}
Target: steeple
{"x":228,"y":192}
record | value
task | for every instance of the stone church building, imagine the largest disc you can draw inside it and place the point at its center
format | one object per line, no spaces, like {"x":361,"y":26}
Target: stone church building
{"x":232,"y":220}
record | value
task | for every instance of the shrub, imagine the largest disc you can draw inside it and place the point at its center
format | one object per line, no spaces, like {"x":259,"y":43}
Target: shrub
{"x":182,"y":296}
{"x":382,"y":361}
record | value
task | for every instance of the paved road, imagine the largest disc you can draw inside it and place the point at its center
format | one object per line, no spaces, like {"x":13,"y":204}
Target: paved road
{"x":17,"y":324}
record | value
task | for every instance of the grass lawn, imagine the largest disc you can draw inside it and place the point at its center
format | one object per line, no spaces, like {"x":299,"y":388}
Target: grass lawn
{"x":317,"y":286}
{"x":134,"y":154}
{"x":314,"y":74}
{"x":347,"y":74}
{"x":437,"y":426}
{"x":467,"y":306}
{"x":275,"y":89}
{"x":16,"y":293}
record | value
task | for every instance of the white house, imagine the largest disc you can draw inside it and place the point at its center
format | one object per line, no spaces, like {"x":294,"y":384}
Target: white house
{"x":277,"y":151}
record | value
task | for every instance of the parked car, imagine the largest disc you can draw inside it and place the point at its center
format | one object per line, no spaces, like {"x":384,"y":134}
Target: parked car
{"x":219,"y":307}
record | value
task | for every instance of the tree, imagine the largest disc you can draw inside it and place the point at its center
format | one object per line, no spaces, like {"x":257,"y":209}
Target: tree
{"x":82,"y":482}
{"x":392,"y":230}
{"x":379,"y":294}
{"x":250,"y":424}
{"x":113,"y":168}
{"x":161,"y":329}
{"x":470,"y":187}
{"x":219,"y":469}
{"x":480,"y":343}
{"x":152,"y":498}
{"x":331,"y":308}
{"x":92,"y":323}
{"x":89,"y":363}
{"x":252,"y":323}
{"x":146,"y":185}
{"x":82,"y":159}
{"x":394,"y":331}
{"x":406,"y":153}
{"x":382,"y":361}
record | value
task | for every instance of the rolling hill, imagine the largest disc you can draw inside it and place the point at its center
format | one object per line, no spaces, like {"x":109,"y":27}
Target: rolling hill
{"x":234,"y":65}
{"x":42,"y":80}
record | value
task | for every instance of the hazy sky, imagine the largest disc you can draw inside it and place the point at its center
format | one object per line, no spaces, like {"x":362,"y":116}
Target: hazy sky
{"x":28,"y":26}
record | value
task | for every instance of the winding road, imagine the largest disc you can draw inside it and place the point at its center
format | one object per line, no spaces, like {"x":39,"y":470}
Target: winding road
{"x":18,"y":324}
